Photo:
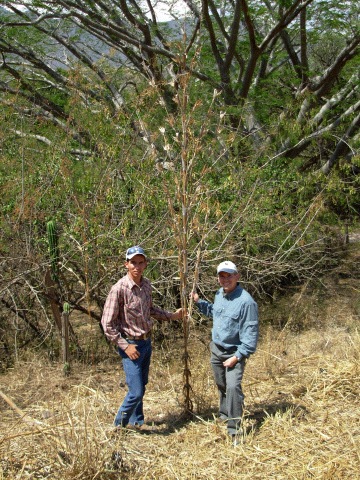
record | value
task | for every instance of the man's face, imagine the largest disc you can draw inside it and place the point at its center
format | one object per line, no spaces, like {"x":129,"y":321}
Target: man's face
{"x":136,"y":266}
{"x":228,"y":281}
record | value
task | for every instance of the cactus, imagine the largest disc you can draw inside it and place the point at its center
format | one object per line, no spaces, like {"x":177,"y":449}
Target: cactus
{"x":66,"y":308}
{"x":53,"y":239}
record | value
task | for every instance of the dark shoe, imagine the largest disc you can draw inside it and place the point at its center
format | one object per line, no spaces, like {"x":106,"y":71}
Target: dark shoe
{"x":238,"y":438}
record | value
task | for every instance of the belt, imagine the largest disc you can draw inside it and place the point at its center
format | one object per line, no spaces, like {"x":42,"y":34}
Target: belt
{"x":140,"y":337}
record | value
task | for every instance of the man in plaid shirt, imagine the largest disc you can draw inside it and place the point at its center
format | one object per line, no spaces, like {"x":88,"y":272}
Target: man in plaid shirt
{"x":127,"y":322}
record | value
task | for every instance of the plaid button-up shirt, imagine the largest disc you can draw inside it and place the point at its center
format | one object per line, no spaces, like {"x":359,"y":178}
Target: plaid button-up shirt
{"x":128,"y":310}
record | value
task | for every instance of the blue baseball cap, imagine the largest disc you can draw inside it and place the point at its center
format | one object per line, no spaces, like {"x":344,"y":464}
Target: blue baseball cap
{"x":132,"y":251}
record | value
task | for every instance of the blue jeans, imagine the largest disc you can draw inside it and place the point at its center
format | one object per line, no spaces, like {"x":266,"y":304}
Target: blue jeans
{"x":228,"y":381}
{"x":136,"y":377}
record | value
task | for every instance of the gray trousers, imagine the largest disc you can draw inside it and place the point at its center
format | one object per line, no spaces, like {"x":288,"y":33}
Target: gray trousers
{"x":228,"y":381}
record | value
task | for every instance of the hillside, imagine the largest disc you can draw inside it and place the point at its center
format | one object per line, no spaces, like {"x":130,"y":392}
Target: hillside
{"x":302,"y":403}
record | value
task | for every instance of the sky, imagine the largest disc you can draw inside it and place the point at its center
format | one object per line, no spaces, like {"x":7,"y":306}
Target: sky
{"x":163,"y":9}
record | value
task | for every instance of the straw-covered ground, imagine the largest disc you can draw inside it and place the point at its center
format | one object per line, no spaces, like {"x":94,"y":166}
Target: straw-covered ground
{"x":302,"y":406}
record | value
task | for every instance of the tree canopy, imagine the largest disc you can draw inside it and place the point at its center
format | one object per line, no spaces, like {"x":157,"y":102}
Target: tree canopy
{"x":265,"y":55}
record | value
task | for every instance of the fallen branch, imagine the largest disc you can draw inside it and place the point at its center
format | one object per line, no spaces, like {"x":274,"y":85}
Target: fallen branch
{"x":23,"y":415}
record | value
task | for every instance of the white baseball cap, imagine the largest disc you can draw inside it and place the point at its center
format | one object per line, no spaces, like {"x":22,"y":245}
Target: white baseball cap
{"x":227,"y":266}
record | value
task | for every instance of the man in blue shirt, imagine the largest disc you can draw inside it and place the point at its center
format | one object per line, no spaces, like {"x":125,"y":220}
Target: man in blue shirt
{"x":234,"y":338}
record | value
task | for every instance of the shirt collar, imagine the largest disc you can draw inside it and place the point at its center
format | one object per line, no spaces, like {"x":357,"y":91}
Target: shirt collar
{"x":235,"y":293}
{"x":131,"y":282}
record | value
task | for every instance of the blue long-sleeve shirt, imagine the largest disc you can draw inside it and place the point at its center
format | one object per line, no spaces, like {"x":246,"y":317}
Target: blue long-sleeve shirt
{"x":235,"y":320}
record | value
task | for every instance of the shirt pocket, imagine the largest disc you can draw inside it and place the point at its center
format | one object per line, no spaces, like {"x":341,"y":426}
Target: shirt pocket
{"x":132,"y":310}
{"x":227,"y":321}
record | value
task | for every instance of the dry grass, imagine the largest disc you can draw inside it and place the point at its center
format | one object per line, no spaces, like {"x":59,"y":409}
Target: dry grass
{"x":303,"y":417}
{"x":302,"y":407}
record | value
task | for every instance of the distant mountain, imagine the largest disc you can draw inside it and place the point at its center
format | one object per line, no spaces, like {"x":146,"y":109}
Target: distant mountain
{"x":60,"y":57}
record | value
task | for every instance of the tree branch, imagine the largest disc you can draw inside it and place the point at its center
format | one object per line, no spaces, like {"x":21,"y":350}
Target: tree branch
{"x":342,"y":147}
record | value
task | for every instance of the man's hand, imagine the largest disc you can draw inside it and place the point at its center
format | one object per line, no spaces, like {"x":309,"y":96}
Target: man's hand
{"x":178,"y":314}
{"x":195,"y":296}
{"x":230,"y":362}
{"x":132,"y":352}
